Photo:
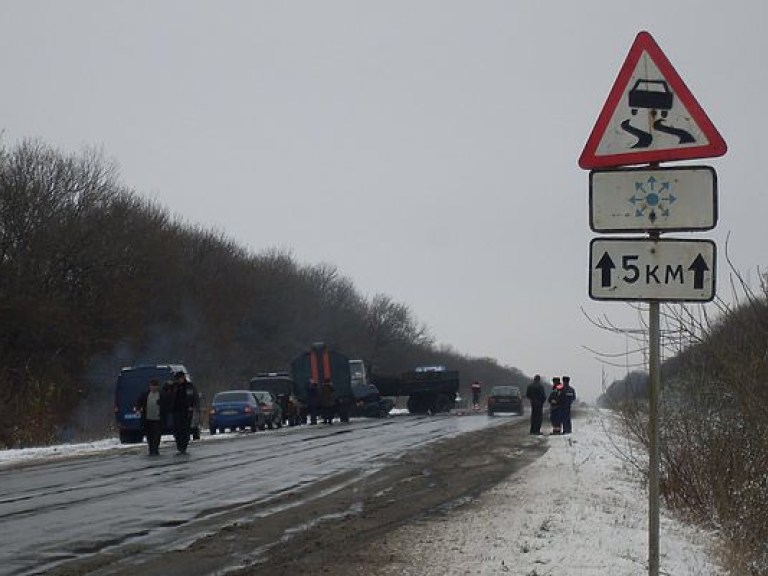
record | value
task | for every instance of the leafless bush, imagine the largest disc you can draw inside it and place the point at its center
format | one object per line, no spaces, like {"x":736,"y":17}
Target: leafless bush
{"x":713,"y":429}
{"x":714,"y":439}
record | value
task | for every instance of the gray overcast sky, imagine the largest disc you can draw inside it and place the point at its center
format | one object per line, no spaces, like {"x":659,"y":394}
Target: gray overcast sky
{"x":428,"y":149}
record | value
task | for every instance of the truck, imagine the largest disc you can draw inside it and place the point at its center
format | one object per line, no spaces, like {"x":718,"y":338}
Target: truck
{"x":317,"y":366}
{"x":369,"y":402}
{"x":430,"y":389}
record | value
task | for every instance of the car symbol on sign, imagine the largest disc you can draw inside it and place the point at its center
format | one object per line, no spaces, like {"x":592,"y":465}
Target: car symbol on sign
{"x":651,"y":94}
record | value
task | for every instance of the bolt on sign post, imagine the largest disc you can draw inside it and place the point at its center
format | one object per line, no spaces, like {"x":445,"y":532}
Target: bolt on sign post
{"x":651,"y":116}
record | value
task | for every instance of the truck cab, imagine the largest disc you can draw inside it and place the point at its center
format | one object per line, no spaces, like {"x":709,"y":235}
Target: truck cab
{"x":358,"y":373}
{"x":367,"y":399}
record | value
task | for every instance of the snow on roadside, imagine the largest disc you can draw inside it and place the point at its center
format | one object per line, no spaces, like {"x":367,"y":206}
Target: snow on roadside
{"x":16,"y":455}
{"x":47,"y":453}
{"x":578,"y":510}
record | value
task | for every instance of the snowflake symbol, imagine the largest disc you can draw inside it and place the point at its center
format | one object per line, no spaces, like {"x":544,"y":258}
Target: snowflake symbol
{"x":652,"y":199}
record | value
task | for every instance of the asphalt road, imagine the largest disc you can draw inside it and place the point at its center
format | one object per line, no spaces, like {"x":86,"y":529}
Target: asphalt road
{"x":233,"y":503}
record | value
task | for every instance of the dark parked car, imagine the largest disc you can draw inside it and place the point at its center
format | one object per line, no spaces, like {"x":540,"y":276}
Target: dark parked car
{"x":131,"y":383}
{"x":505,"y":399}
{"x":280,"y":384}
{"x":235,"y":409}
{"x":273,"y":413}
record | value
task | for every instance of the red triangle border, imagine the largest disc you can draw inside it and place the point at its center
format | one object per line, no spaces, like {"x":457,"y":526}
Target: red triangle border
{"x":716,"y":146}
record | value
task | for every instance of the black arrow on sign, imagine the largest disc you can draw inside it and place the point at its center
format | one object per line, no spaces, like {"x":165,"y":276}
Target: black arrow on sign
{"x":606,"y":265}
{"x":699,"y":266}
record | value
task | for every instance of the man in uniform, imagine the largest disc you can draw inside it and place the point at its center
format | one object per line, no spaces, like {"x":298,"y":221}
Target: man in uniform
{"x":569,"y":395}
{"x":556,"y":406}
{"x":183,"y":401}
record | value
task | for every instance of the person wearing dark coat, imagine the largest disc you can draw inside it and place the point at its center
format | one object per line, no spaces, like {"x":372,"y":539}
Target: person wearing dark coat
{"x":151,"y":406}
{"x":556,"y":406}
{"x":327,"y":402}
{"x":183,"y":401}
{"x":476,"y":387}
{"x":313,"y":401}
{"x":569,"y":395}
{"x":536,"y":396}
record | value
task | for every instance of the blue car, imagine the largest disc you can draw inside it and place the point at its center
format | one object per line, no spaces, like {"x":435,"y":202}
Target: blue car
{"x":236,"y":410}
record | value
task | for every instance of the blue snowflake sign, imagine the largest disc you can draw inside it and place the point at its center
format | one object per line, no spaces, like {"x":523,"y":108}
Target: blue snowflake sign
{"x":653,"y":199}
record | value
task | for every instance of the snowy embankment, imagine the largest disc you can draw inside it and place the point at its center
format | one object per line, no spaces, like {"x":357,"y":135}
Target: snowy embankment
{"x":19,"y":455}
{"x":578,"y":510}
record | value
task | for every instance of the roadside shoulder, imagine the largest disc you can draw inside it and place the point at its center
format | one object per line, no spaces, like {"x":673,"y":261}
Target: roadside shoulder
{"x":579,"y":509}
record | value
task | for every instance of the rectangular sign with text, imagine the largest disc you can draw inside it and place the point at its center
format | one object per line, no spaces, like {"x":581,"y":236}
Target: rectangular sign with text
{"x":646,"y":199}
{"x":652,"y":270}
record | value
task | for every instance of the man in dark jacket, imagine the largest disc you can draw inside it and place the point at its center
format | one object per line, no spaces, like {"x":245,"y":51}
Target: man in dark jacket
{"x":536,"y":396}
{"x":151,"y":405}
{"x":313,"y":400}
{"x":327,"y":402}
{"x":569,"y":395}
{"x":183,"y":401}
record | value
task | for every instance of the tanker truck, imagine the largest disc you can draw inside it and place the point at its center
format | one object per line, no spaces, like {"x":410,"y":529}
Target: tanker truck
{"x":312,"y":369}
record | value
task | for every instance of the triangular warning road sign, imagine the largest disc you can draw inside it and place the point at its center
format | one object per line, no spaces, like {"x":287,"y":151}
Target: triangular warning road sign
{"x":650,"y":116}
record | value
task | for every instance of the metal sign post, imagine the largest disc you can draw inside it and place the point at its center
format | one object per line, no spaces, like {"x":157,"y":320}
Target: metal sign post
{"x":654,"y":361}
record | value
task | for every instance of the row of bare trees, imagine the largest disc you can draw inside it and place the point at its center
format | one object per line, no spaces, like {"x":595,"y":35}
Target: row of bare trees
{"x":713,"y":426}
{"x":93,"y":278}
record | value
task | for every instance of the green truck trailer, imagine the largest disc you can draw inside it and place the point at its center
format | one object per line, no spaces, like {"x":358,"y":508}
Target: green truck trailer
{"x":430,"y":389}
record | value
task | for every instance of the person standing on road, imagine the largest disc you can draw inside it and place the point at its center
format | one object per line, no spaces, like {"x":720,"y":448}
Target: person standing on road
{"x":476,"y":387}
{"x":183,"y":400}
{"x":313,"y":400}
{"x":536,"y":396}
{"x":569,"y":395}
{"x":556,"y":406}
{"x":327,"y":402}
{"x":151,"y":406}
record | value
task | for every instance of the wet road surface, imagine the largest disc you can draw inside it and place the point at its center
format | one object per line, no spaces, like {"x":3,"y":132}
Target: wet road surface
{"x":106,"y":513}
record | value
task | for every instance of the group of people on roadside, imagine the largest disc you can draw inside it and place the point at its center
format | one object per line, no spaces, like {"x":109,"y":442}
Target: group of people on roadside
{"x":560,"y":399}
{"x":177,"y":401}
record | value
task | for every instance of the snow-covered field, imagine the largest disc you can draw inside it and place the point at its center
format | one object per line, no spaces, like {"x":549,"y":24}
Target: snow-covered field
{"x":579,"y":510}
